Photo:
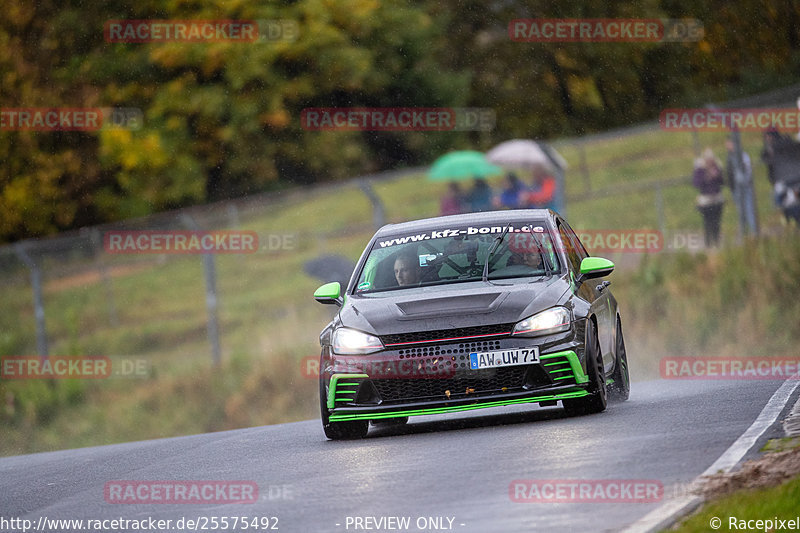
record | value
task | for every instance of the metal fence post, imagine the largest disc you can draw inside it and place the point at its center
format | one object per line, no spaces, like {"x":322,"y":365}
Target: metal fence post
{"x":587,"y":183}
{"x":210,"y":271}
{"x":97,"y":243}
{"x":660,"y":210}
{"x":38,"y":306}
{"x":378,"y":211}
{"x":696,"y":143}
{"x":233,"y":216}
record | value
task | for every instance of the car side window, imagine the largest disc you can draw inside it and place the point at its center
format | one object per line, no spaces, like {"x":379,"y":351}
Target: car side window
{"x":576,"y":242}
{"x":569,"y":248}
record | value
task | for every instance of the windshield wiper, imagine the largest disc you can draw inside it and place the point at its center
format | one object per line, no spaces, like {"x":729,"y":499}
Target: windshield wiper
{"x":492,"y":249}
{"x":548,"y":269}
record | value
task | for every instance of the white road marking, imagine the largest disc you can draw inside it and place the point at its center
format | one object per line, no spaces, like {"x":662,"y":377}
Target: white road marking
{"x":663,"y":516}
{"x":791,"y":424}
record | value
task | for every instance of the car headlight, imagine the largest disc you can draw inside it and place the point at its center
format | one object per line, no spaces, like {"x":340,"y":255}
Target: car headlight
{"x":544,"y":323}
{"x":348,"y":341}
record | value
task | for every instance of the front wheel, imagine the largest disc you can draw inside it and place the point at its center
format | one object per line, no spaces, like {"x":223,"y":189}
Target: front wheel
{"x":596,"y":401}
{"x":620,"y":389}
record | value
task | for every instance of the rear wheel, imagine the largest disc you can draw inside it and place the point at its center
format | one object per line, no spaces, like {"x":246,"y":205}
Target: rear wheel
{"x":620,"y":389}
{"x":596,"y":401}
{"x":352,"y":429}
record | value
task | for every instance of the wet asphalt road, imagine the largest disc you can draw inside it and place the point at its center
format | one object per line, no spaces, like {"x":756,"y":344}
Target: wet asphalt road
{"x":435,"y":469}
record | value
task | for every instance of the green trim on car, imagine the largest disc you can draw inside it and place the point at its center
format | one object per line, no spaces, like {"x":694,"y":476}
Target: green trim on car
{"x":334,"y":382}
{"x":329,"y":290}
{"x":574,"y":363}
{"x":593,"y":264}
{"x":330,"y":293}
{"x":455,"y":408}
{"x":370,"y":268}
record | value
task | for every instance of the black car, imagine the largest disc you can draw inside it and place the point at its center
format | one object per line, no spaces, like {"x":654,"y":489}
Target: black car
{"x":470,"y":311}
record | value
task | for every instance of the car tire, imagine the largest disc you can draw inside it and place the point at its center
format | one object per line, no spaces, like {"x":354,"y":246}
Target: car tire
{"x":597,"y":399}
{"x":620,"y":389}
{"x":354,"y":429}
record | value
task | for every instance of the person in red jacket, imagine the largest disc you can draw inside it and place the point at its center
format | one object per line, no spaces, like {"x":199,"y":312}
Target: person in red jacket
{"x":542,"y":191}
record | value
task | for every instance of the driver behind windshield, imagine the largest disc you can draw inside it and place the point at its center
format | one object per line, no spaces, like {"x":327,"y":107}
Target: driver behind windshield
{"x":406,"y":270}
{"x":528,"y":258}
{"x":525,"y":251}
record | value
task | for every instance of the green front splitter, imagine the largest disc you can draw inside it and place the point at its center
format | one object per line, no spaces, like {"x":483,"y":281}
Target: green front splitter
{"x":455,"y":408}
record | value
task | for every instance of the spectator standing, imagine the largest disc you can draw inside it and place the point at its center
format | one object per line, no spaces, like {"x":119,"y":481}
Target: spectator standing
{"x":511,"y":196}
{"x":542,"y":192}
{"x":739,"y":170}
{"x":707,"y":179}
{"x":768,"y":153}
{"x":453,"y":201}
{"x":480,"y":196}
{"x":787,"y":197}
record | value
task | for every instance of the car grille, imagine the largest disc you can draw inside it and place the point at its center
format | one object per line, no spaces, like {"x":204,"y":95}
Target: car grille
{"x":504,"y":379}
{"x":457,"y":353}
{"x":438,"y":335}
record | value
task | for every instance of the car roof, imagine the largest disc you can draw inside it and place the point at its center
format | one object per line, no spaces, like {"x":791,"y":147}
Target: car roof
{"x":483,"y":218}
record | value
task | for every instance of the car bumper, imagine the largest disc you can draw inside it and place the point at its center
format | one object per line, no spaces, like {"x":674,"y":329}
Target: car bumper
{"x":435,"y":408}
{"x":361,"y":396}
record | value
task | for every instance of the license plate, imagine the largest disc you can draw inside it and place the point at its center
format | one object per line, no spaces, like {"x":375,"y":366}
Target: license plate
{"x":496,"y":358}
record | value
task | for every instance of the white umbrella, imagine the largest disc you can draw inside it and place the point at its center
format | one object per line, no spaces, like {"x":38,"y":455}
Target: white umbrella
{"x":523,"y":153}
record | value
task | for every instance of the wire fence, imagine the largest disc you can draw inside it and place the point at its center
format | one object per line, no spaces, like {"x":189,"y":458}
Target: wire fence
{"x":83,"y":256}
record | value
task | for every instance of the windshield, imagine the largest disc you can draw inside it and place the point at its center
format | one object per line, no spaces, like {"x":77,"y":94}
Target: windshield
{"x":458,"y":254}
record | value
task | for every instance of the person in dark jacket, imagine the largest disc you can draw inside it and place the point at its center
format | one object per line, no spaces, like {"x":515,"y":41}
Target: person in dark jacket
{"x":480,"y":196}
{"x":768,"y":153}
{"x":453,"y":201}
{"x":511,"y":197}
{"x":708,"y":180}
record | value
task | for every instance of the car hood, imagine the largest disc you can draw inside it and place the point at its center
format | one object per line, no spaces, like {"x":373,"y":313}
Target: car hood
{"x":451,"y":306}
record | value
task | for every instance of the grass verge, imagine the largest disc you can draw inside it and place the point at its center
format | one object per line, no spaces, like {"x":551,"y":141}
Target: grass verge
{"x":673,"y":304}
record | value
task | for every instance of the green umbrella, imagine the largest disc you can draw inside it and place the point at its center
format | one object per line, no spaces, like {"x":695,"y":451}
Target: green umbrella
{"x":462,"y":165}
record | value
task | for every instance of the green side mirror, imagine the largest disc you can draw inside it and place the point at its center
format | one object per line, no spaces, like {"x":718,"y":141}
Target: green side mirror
{"x":330,"y":293}
{"x":595,"y":267}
